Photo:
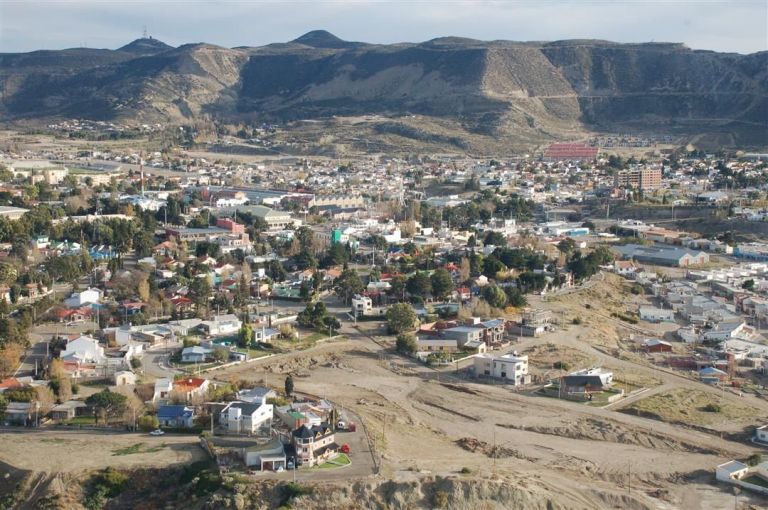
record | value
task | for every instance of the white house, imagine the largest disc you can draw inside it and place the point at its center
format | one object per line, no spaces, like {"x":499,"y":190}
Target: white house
{"x":222,"y":325}
{"x":87,"y":296}
{"x":256,"y":395}
{"x":84,"y":349}
{"x":432,"y":344}
{"x":624,"y":267}
{"x":725,"y":331}
{"x":731,"y":470}
{"x":196,"y":354}
{"x":653,"y":314}
{"x":512,"y":368}
{"x":125,"y":378}
{"x":245,"y":417}
{"x":361,"y":305}
{"x":761,"y":434}
{"x":163,"y":388}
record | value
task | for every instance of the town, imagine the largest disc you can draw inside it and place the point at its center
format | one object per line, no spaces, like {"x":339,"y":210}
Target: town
{"x":269,"y":315}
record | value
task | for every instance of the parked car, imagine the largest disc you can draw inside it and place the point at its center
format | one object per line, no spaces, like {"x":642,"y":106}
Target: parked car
{"x":156,"y":432}
{"x":290,"y":465}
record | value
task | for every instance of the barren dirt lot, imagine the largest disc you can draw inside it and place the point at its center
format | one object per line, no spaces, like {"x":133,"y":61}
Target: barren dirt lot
{"x":75,"y":451}
{"x":425,"y":422}
{"x":689,"y":407}
{"x":578,"y":454}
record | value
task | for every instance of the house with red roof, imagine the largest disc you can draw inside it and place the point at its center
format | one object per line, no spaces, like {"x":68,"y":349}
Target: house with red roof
{"x":191,"y":387}
{"x":73,"y":315}
{"x":9,"y":383}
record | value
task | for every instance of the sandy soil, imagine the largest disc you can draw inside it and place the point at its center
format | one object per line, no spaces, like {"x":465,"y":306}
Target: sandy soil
{"x":75,"y":451}
{"x":423,"y":421}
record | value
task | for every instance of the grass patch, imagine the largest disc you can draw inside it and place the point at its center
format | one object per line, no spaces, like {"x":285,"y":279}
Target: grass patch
{"x":254,"y":353}
{"x":340,"y":460}
{"x":81,"y":420}
{"x":690,"y":407}
{"x":192,"y":368}
{"x":137,"y":448}
{"x":756,"y":480}
{"x":96,"y":383}
{"x":128,"y":450}
{"x":54,"y":440}
{"x":293,"y":490}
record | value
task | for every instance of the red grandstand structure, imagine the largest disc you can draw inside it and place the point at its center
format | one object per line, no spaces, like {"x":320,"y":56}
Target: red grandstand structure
{"x":570,"y":151}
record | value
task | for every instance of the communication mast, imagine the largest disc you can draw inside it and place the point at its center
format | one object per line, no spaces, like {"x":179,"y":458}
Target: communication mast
{"x":141,"y":169}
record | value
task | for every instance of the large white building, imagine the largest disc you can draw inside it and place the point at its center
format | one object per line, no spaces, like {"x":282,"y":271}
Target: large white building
{"x":84,"y":349}
{"x":82,"y":298}
{"x":246,"y":417}
{"x":509,"y":367}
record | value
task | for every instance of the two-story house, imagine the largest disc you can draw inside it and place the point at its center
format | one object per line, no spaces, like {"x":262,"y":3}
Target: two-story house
{"x":314,"y":445}
{"x":246,"y":417}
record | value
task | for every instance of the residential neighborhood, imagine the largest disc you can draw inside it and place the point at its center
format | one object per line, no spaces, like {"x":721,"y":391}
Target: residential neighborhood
{"x":220,"y":315}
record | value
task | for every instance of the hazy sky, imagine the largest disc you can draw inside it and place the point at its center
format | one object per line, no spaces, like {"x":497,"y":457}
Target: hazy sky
{"x":735,"y":25}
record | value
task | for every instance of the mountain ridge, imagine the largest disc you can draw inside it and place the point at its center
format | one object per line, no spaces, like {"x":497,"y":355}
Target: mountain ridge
{"x":529,"y":90}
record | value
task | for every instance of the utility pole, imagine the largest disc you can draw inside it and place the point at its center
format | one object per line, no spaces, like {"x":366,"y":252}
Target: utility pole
{"x":494,"y":450}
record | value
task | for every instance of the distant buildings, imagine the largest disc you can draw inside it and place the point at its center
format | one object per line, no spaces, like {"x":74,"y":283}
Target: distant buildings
{"x":12,"y":213}
{"x":639,"y":178}
{"x":662,"y":255}
{"x":570,"y":151}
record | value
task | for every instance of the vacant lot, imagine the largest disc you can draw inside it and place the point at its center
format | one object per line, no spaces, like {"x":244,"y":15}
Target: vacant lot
{"x":65,"y":451}
{"x":697,"y":408}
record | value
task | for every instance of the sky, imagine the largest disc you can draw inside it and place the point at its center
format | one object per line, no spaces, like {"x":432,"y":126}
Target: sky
{"x":722,"y":25}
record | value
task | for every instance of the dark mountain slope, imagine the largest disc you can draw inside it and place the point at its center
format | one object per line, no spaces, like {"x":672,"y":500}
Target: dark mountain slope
{"x":502,"y":89}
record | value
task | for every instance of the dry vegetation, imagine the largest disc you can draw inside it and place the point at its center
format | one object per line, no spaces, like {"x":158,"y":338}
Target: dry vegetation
{"x":689,"y":407}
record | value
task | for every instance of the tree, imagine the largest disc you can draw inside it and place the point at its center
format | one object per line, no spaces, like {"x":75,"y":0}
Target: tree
{"x":464,"y":270}
{"x":419,"y":284}
{"x":305,"y":259}
{"x":44,"y":399}
{"x":305,"y":292}
{"x":148,"y":422}
{"x":289,"y":385}
{"x":401,"y":317}
{"x":397,"y":286}
{"x":10,"y":355}
{"x":493,"y":266}
{"x":201,"y":290}
{"x":566,"y":246}
{"x":245,"y":335}
{"x":406,"y":344}
{"x":143,"y":244}
{"x":64,"y":392}
{"x":107,"y":404}
{"x":220,"y":354}
{"x":315,"y":315}
{"x":495,"y":238}
{"x":748,"y":285}
{"x":276,"y":271}
{"x":142,"y":289}
{"x":442,"y":283}
{"x":348,"y":284}
{"x":515,"y":297}
{"x":494,"y":296}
